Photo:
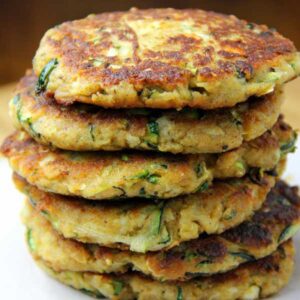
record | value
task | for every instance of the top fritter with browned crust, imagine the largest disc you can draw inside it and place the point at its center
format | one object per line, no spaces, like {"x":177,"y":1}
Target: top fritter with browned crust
{"x":162,"y":58}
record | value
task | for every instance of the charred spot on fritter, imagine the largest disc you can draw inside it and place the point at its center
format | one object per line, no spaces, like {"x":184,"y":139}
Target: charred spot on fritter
{"x":209,"y":247}
{"x":280,"y":207}
{"x":250,"y":234}
{"x":290,"y":192}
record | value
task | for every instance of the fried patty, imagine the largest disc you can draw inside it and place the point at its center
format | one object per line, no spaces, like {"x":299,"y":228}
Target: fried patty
{"x":162,"y":58}
{"x":83,"y":127}
{"x":277,"y":221}
{"x":151,"y":226}
{"x":104,"y":175}
{"x":253,"y":280}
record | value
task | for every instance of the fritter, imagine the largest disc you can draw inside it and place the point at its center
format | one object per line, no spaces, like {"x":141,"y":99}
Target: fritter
{"x":150,"y":226}
{"x":162,"y":58}
{"x":81,"y":127}
{"x":254,"y":280}
{"x":120,"y":175}
{"x":277,"y":221}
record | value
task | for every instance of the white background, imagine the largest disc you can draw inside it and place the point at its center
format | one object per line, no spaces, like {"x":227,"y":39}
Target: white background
{"x":21,"y":279}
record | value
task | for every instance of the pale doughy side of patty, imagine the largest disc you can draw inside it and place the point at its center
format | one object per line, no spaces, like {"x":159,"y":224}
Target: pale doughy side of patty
{"x":104,"y":175}
{"x":85,"y":128}
{"x":143,"y":226}
{"x":253,"y":280}
{"x":277,"y":221}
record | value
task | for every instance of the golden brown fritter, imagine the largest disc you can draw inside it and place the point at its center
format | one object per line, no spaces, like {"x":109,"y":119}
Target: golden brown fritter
{"x":162,"y":58}
{"x":254,"y":280}
{"x":104,"y":175}
{"x":82,"y":127}
{"x":151,"y":226}
{"x":277,"y":221}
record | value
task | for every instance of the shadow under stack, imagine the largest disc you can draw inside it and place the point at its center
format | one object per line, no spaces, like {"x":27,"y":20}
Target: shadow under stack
{"x":149,"y":146}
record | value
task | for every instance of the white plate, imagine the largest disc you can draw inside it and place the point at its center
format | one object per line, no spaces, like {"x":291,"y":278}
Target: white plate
{"x":21,"y":279}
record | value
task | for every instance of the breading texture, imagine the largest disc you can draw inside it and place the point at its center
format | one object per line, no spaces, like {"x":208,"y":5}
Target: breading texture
{"x":277,"y":221}
{"x":162,"y":58}
{"x":81,"y":127}
{"x":120,"y":175}
{"x":143,"y":226}
{"x":254,"y":280}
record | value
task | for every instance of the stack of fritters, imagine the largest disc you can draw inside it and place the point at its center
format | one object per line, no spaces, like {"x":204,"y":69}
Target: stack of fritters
{"x":149,"y":146}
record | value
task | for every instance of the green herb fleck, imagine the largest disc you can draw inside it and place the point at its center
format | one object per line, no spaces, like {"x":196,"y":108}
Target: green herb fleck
{"x":290,"y":146}
{"x":28,"y":122}
{"x":152,"y":178}
{"x":123,"y":193}
{"x":44,"y":213}
{"x":30,"y":240}
{"x":142,"y":192}
{"x":272,"y":76}
{"x":118,"y":287}
{"x":199,"y":169}
{"x":231,"y":215}
{"x":32,"y":201}
{"x":190,"y":255}
{"x":240,"y":166}
{"x":150,"y":92}
{"x":96,"y":41}
{"x":152,"y":146}
{"x":165,"y":240}
{"x":96,"y":62}
{"x":179,"y":293}
{"x":294,"y":66}
{"x":19,"y":114}
{"x":125,"y":157}
{"x":203,"y":187}
{"x":250,"y":26}
{"x":142,"y":175}
{"x":236,"y":118}
{"x":204,"y":262}
{"x":245,"y":256}
{"x":288,"y":232}
{"x":92,"y":129}
{"x":282,"y":201}
{"x":44,"y":76}
{"x":152,"y":132}
{"x":158,"y":216}
{"x":34,"y":133}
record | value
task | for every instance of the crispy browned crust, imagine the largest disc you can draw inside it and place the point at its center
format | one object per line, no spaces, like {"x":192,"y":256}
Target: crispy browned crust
{"x":234,"y":48}
{"x":255,"y":279}
{"x":252,"y":50}
{"x":257,"y":237}
{"x":86,"y":127}
{"x":281,"y":208}
{"x":254,"y":239}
